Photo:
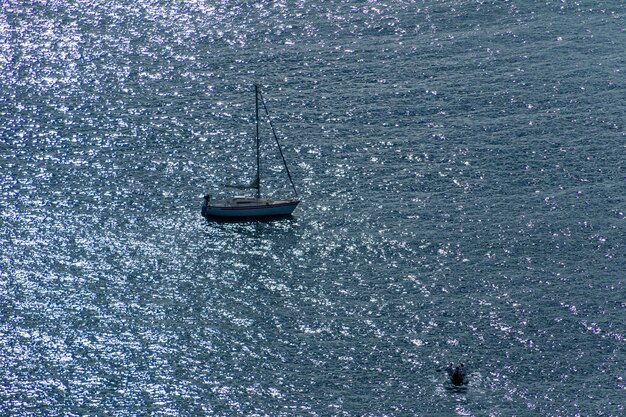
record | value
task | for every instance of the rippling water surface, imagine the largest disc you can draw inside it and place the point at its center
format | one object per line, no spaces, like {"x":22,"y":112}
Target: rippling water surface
{"x":462,"y":169}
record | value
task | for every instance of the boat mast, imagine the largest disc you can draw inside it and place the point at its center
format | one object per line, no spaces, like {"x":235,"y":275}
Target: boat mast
{"x":258,"y":160}
{"x":269,"y":119}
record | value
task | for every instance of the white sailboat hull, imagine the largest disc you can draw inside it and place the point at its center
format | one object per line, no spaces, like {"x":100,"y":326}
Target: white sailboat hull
{"x":248,"y":208}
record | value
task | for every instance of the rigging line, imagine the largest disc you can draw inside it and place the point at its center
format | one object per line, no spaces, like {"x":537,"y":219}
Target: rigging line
{"x":278,"y":143}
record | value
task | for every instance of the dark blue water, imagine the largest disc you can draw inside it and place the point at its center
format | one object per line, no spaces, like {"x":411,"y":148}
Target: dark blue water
{"x":462,"y":166}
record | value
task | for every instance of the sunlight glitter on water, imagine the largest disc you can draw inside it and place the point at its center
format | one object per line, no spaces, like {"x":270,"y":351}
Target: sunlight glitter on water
{"x":453,"y":209}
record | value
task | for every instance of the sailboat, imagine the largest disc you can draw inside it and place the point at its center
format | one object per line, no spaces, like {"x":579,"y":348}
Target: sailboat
{"x":240,"y":207}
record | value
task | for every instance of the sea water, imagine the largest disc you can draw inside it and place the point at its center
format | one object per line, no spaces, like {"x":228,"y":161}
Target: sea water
{"x":462,"y":171}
